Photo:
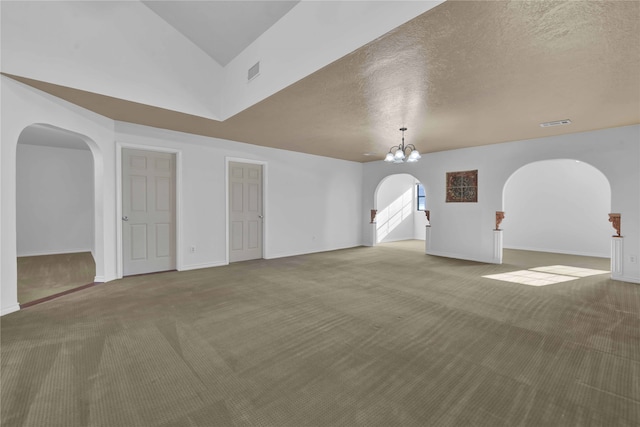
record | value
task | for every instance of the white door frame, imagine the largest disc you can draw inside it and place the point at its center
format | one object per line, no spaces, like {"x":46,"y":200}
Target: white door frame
{"x":264,"y":164}
{"x":178,"y":201}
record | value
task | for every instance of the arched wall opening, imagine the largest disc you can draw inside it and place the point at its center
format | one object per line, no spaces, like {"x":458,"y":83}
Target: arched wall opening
{"x":56,"y":207}
{"x":558,"y":206}
{"x":397,"y":217}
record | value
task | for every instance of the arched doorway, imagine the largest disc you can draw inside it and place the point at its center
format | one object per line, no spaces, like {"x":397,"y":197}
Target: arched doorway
{"x":55,"y":212}
{"x":557,"y":206}
{"x":400,"y":202}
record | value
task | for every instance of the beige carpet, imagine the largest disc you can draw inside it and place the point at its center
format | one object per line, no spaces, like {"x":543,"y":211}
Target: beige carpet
{"x":45,"y":275}
{"x":382,"y":336}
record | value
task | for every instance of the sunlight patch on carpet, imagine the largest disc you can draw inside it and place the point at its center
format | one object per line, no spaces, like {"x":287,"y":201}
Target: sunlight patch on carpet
{"x":570,"y":271}
{"x":542,"y":276}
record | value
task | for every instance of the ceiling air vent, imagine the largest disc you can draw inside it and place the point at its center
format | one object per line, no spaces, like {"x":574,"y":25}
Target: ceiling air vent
{"x":556,"y":123}
{"x":253,"y":71}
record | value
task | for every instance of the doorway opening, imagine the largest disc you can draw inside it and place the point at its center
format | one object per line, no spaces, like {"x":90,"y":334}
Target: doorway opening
{"x":557,"y":209}
{"x":55,"y":213}
{"x":401,"y":203}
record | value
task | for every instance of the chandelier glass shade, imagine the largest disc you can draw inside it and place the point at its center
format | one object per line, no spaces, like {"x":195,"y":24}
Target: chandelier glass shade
{"x":403,"y":153}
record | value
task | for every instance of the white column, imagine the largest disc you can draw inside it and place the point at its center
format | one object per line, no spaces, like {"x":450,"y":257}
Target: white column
{"x":617,"y":257}
{"x":497,"y":246}
{"x":374,"y":233}
{"x":427,"y":239}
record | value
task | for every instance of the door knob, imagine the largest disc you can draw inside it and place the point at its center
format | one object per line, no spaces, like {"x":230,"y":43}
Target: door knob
{"x":260,"y":216}
{"x":125,"y":218}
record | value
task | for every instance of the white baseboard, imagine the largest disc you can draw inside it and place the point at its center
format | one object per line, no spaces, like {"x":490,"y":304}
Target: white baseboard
{"x":105,"y":279}
{"x":205,"y":265}
{"x":557,"y":251}
{"x":288,"y":254}
{"x":55,"y":252}
{"x":626,"y":279}
{"x":399,"y":239}
{"x":462,"y":257}
{"x":10,"y":309}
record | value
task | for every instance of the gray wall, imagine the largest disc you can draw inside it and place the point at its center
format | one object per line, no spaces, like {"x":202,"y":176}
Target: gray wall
{"x":54,"y":200}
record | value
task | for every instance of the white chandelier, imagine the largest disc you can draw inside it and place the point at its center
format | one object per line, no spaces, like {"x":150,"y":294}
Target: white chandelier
{"x":403,"y":153}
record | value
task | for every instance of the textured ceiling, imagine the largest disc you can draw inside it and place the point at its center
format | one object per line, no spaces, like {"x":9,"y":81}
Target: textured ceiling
{"x":222,"y":29}
{"x":461,"y":75}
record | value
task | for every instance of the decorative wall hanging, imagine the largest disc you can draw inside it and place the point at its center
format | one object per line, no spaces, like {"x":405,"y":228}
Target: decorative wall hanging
{"x":614,"y":219}
{"x":373,"y":215}
{"x":499,"y":218}
{"x":462,"y":186}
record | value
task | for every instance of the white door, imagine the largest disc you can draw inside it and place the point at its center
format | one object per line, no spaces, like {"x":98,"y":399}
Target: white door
{"x":148,"y":211}
{"x":245,"y":211}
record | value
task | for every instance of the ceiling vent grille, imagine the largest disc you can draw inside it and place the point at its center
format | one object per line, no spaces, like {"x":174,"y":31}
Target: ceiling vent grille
{"x":556,"y":123}
{"x":253,"y":72}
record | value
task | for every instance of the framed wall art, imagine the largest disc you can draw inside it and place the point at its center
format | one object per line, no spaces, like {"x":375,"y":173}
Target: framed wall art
{"x":462,"y":187}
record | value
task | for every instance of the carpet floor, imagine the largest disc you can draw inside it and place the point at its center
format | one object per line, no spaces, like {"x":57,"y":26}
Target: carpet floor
{"x":45,"y":275}
{"x":381,"y":336}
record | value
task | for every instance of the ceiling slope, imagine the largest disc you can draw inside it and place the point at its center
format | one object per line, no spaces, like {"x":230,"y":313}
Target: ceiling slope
{"x":463,"y":74}
{"x":222,"y":29}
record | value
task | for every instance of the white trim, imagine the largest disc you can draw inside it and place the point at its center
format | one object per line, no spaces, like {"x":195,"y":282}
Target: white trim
{"x":374,"y":234}
{"x":399,"y":239}
{"x":290,"y":254}
{"x":204,"y":265}
{"x":427,"y":239}
{"x":617,"y":257}
{"x":55,"y":252}
{"x":10,"y":309}
{"x":497,"y":246}
{"x":626,"y":279}
{"x":265,"y":199}
{"x":178,"y":201}
{"x":555,"y":251}
{"x":119,"y":251}
{"x":460,"y":257}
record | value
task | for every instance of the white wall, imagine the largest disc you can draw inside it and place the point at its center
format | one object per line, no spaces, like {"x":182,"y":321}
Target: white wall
{"x":22,"y":107}
{"x":465,"y":230}
{"x":312,"y":203}
{"x":558,"y":206}
{"x":306,"y":208}
{"x":117,"y":48}
{"x":395,"y":202}
{"x":54,"y":200}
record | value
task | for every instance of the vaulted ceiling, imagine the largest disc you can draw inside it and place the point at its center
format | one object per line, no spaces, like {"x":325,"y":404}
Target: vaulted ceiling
{"x":222,"y":29}
{"x":463,"y":74}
